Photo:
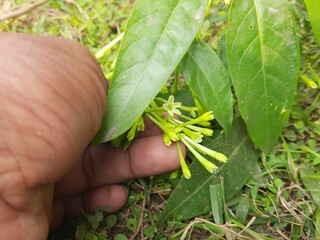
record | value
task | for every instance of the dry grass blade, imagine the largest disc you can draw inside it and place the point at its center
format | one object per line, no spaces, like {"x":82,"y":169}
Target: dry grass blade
{"x":226,"y":228}
{"x":245,"y":228}
{"x":140,"y":227}
{"x":21,"y":11}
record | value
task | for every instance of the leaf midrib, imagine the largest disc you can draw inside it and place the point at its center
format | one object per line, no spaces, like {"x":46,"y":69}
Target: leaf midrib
{"x":150,"y":59}
{"x":213,"y":175}
{"x":260,"y":32}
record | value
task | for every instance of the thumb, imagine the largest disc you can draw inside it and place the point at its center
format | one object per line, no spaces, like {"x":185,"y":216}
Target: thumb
{"x":53,"y":96}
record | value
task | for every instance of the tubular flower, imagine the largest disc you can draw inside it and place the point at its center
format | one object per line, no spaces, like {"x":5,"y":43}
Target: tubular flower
{"x":207,"y":151}
{"x":190,"y":130}
{"x":205,"y":162}
{"x":185,"y":170}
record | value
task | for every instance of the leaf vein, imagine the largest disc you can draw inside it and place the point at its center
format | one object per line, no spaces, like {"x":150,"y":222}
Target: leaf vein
{"x":234,"y":152}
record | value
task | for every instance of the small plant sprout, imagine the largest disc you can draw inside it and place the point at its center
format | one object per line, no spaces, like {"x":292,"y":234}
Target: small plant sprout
{"x":189,"y":129}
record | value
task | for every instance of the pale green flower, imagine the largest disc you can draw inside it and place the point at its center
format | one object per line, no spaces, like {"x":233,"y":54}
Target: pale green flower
{"x":172,"y":107}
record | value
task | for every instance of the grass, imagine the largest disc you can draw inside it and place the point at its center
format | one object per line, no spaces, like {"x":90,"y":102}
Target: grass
{"x":280,"y":202}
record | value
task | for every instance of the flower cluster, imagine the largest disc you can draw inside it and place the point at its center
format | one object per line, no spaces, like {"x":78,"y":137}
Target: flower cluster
{"x":188,"y":129}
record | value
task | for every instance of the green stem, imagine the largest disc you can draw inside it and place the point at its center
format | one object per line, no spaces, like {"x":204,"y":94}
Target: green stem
{"x":161,"y":124}
{"x":175,"y":84}
{"x":185,"y":170}
{"x":108,"y":47}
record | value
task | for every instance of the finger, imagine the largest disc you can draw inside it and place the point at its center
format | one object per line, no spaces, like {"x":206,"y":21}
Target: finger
{"x":104,"y":164}
{"x":108,"y":199}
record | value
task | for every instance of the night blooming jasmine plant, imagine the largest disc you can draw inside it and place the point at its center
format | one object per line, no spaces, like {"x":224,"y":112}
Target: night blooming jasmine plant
{"x":164,"y":39}
{"x":189,"y":129}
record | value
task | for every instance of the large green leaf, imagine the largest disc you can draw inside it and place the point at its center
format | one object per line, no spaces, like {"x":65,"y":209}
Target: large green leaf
{"x":208,"y":78}
{"x":192,"y":197}
{"x":263,"y":58}
{"x":313,"y":7}
{"x":157,"y":36}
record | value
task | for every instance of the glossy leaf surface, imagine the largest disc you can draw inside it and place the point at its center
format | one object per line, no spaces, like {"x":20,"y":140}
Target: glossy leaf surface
{"x":207,"y":77}
{"x":157,"y":36}
{"x":263,"y":58}
{"x":195,"y":192}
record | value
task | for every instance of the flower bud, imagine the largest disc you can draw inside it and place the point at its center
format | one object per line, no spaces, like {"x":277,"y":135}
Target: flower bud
{"x":207,"y":164}
{"x":141,"y":125}
{"x":204,"y":131}
{"x":166,"y":139}
{"x":195,"y":136}
{"x":185,"y":170}
{"x":207,"y":116}
{"x":204,"y":150}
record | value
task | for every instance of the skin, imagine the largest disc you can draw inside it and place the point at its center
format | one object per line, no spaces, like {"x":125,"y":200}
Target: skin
{"x":52,"y":99}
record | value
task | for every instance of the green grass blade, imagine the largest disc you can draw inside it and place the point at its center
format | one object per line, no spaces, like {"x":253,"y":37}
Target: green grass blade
{"x":216,"y":198}
{"x":243,"y":209}
{"x":251,"y":232}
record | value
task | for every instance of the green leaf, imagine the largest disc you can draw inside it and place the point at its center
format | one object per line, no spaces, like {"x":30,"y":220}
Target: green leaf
{"x":312,"y":182}
{"x":313,"y":7}
{"x":192,"y":197}
{"x":216,"y":198}
{"x":243,"y":210}
{"x":208,"y":78}
{"x":158,"y":34}
{"x":111,"y":221}
{"x":120,"y":236}
{"x":263,"y":58}
{"x":316,"y":220}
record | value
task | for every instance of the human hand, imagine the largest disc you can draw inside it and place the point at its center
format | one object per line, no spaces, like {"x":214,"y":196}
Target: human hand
{"x":52,"y":95}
